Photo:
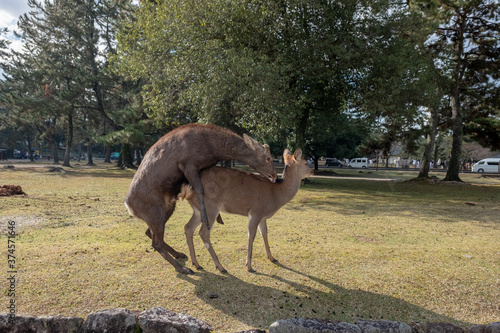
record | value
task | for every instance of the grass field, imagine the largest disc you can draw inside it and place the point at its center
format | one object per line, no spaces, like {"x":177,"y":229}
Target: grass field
{"x":347,"y":249}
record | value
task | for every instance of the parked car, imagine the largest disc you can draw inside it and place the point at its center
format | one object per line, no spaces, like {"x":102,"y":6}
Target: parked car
{"x":114,"y":156}
{"x":487,"y":165}
{"x":359,"y":163}
{"x":333,"y":162}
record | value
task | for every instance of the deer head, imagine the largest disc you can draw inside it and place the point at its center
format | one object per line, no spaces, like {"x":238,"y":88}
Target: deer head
{"x":263,"y":162}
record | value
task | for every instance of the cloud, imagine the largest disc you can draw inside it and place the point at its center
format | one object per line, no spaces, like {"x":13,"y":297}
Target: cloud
{"x":11,"y":10}
{"x":9,"y":14}
{"x":7,"y":20}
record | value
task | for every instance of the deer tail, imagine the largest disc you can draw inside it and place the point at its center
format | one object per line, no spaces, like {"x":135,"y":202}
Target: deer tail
{"x":187,"y":193}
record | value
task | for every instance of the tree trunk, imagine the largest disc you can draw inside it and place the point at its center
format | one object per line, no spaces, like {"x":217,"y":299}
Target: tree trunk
{"x":429,"y":147}
{"x":437,"y":143}
{"x":30,"y":153}
{"x":79,"y":152}
{"x":456,"y":113}
{"x":107,"y":155}
{"x":69,"y":141}
{"x":53,"y":146}
{"x":138,"y":152}
{"x":126,"y":157}
{"x":456,"y":147}
{"x":90,"y":158}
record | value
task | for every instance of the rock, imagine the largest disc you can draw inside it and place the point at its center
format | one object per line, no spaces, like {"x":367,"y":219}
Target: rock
{"x":311,"y":326}
{"x":55,"y":169}
{"x":383,"y":326}
{"x":159,"y":319}
{"x":490,"y":328}
{"x":113,"y":320}
{"x":8,"y":167}
{"x":441,"y":328}
{"x":213,"y":295}
{"x":42,"y":324}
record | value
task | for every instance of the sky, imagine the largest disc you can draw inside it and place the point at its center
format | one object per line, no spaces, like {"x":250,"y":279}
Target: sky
{"x":10,"y":10}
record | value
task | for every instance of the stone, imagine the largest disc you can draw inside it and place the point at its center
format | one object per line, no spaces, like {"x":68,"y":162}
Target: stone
{"x":42,"y":324}
{"x":490,"y":328}
{"x":113,"y":320}
{"x":311,"y":326}
{"x":213,"y":295}
{"x":441,"y":328}
{"x":161,"y":320}
{"x":383,"y":326}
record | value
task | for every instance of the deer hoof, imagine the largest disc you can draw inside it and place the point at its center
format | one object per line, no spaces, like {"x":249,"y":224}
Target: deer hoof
{"x":223,"y":270}
{"x":200,"y":268}
{"x":186,"y":271}
{"x":251,"y":270}
{"x":274,"y":260}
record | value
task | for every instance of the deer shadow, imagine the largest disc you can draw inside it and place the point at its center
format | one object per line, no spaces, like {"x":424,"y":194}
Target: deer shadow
{"x":259,"y":306}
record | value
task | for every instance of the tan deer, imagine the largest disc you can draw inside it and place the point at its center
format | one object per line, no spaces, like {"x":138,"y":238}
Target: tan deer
{"x":246,"y":194}
{"x":177,"y":158}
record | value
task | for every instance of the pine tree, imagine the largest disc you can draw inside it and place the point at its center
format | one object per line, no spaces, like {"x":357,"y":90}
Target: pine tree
{"x":467,"y":51}
{"x":62,"y":75}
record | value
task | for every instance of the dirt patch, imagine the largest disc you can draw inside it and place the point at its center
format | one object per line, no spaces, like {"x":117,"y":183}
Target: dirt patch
{"x":9,"y":190}
{"x":21,"y":223}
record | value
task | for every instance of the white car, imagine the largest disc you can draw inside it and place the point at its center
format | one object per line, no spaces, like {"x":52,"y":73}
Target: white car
{"x":359,"y":163}
{"x":487,"y":165}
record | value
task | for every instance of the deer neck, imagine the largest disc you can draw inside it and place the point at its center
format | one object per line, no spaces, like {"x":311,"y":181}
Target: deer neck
{"x":236,"y":150}
{"x":290,"y":185}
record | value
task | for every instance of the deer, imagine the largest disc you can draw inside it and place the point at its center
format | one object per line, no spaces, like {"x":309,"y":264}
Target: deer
{"x":178,"y":158}
{"x":237,"y":192}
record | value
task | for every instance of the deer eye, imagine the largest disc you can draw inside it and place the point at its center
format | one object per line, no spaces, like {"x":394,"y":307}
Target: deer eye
{"x":268,"y":159}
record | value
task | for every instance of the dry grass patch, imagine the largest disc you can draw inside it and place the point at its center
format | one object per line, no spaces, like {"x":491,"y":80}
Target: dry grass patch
{"x":347,"y":248}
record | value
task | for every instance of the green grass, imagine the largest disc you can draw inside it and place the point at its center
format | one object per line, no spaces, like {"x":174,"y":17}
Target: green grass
{"x":348,"y":249}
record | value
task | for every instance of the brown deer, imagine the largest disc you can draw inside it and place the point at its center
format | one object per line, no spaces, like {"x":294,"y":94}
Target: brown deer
{"x":246,"y":194}
{"x":177,"y":158}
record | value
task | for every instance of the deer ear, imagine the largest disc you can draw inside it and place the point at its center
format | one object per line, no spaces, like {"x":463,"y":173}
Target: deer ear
{"x":286,"y":153}
{"x":251,"y":143}
{"x":297,"y":154}
{"x":266,"y":148}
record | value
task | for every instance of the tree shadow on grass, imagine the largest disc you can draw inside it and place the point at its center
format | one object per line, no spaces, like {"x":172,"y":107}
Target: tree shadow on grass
{"x":259,"y":306}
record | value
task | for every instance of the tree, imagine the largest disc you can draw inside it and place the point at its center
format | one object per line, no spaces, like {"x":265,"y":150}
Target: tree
{"x":467,"y":52}
{"x":268,"y":66}
{"x":64,"y":69}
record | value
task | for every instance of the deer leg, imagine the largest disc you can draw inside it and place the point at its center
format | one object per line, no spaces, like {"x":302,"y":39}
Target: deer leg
{"x":189,"y":229}
{"x":192,"y":174}
{"x":263,"y":232}
{"x":205,"y":236}
{"x":155,"y":213}
{"x":172,"y":251}
{"x":252,"y":230}
{"x":160,"y":246}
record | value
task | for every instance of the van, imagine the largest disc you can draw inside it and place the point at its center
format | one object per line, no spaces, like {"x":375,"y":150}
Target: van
{"x":487,"y":165}
{"x":359,"y":162}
